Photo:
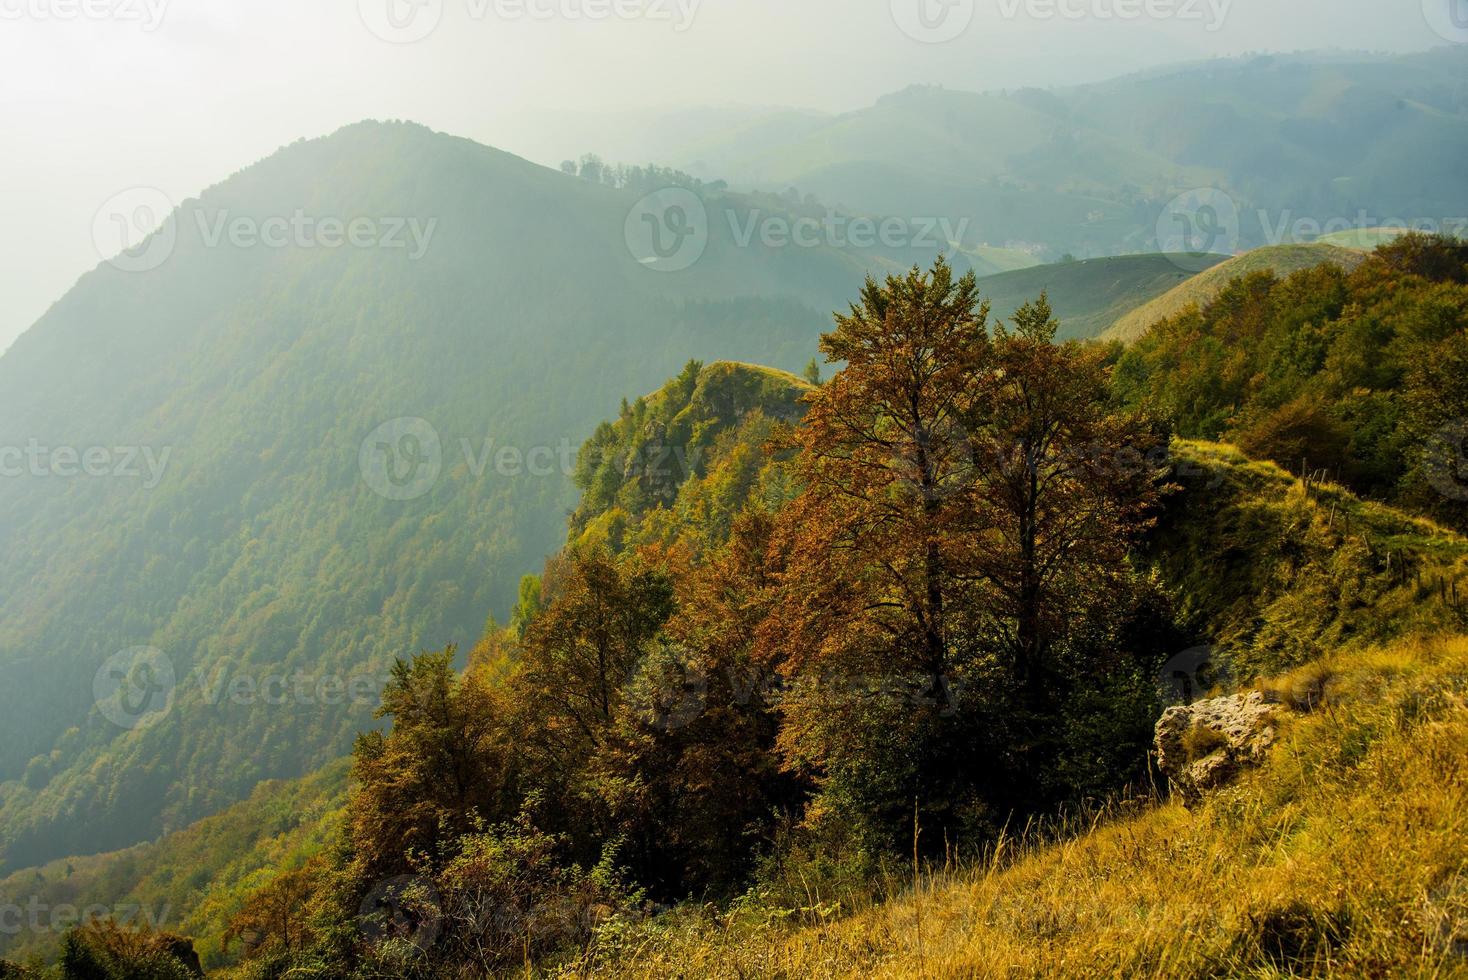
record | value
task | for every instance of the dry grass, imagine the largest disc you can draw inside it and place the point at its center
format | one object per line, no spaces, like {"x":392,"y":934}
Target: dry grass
{"x":1346,"y":855}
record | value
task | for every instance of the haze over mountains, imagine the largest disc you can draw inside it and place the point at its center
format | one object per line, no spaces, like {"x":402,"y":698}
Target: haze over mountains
{"x":1305,"y":139}
{"x":244,"y":521}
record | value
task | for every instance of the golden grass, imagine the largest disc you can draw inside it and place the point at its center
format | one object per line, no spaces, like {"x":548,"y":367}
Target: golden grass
{"x":1346,"y":855}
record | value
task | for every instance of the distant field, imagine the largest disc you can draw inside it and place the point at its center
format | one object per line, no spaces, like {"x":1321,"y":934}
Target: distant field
{"x":1282,"y":259}
{"x":990,"y":260}
{"x":1363,"y":238}
{"x":1090,"y":295}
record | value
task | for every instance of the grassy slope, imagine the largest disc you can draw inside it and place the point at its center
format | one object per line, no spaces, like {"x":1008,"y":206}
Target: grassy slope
{"x":1347,"y":854}
{"x":1365,"y":239}
{"x":1088,"y":295}
{"x":991,"y":260}
{"x":1280,"y":259}
{"x":1282,"y":576}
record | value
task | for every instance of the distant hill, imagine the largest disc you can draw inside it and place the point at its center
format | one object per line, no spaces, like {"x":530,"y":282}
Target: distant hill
{"x":359,"y":450}
{"x":1363,"y":238}
{"x":1089,"y":295}
{"x":194,"y":879}
{"x":989,"y":260}
{"x":1090,"y":169}
{"x":1279,"y":259}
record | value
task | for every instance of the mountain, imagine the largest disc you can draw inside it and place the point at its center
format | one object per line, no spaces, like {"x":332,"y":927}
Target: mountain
{"x":193,"y":879}
{"x":1356,"y":139}
{"x":261,"y":456}
{"x":1088,"y":295}
{"x":1201,"y":289}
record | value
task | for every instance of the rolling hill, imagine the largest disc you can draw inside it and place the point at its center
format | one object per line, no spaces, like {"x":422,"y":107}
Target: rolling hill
{"x":1327,"y":136}
{"x":326,"y":455}
{"x":1090,"y":294}
{"x":1197,"y":291}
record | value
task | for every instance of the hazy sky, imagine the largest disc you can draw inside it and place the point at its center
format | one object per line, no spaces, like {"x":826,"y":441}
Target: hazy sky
{"x":97,"y":96}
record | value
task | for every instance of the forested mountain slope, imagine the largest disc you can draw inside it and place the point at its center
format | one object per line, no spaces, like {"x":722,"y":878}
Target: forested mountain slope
{"x":254,"y":522}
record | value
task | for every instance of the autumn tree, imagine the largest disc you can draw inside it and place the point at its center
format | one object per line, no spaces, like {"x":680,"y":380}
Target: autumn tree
{"x":599,"y":614}
{"x":689,"y":773}
{"x":969,"y":503}
{"x":444,"y":766}
{"x":884,"y":461}
{"x":278,"y":916}
{"x":1063,"y":484}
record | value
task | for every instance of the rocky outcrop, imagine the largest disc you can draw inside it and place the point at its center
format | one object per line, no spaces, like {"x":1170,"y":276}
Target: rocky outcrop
{"x":1204,"y":745}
